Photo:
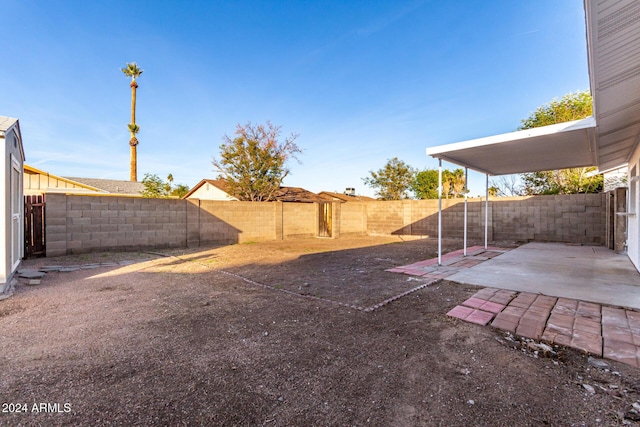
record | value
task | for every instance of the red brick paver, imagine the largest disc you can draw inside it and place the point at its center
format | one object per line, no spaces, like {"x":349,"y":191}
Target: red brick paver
{"x":609,"y":332}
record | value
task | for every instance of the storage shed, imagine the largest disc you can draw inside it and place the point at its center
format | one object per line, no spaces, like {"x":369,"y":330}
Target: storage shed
{"x":11,"y":201}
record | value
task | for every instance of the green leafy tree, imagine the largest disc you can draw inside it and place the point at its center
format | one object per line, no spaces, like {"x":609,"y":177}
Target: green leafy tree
{"x":254,"y":162}
{"x":179,"y":191}
{"x":393,"y":181}
{"x":456,"y":182}
{"x":155,"y":187}
{"x":565,"y":181}
{"x":425,"y":184}
{"x":573,"y":106}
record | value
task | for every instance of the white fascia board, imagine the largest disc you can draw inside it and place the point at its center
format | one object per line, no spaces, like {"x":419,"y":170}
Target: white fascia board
{"x":589,"y":122}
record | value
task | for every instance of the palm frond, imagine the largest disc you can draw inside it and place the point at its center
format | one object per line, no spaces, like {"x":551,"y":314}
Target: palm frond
{"x":132,"y":70}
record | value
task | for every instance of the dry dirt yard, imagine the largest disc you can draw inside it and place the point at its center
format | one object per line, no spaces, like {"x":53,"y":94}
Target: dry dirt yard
{"x":247,"y":335}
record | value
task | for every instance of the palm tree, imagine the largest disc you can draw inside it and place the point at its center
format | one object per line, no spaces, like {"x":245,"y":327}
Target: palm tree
{"x":133,"y":143}
{"x":132,"y":70}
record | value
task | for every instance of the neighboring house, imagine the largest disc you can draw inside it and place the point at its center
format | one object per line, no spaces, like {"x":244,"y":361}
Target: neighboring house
{"x":297,"y":194}
{"x":112,"y":186}
{"x":38,"y":182}
{"x":216,"y":189}
{"x":347,"y":196}
{"x":12,"y":202}
{"x":210,"y":189}
{"x":610,"y":139}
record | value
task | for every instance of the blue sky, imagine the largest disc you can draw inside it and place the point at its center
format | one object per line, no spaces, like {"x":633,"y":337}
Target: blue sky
{"x":359,"y":81}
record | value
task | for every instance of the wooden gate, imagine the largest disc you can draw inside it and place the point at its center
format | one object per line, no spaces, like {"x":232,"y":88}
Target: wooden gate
{"x":324,"y":219}
{"x":34,"y":237}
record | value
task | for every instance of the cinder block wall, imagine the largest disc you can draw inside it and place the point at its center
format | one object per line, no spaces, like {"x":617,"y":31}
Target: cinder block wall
{"x":420,"y":217}
{"x":235,"y":222}
{"x":76,"y":224}
{"x":298,"y":220}
{"x":385,"y":218}
{"x":576,"y":218}
{"x":353,"y":218}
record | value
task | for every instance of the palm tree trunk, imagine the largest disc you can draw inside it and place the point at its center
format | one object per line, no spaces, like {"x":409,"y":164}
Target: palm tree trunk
{"x":134,"y":160}
{"x":133,"y":86}
{"x":134,"y":142}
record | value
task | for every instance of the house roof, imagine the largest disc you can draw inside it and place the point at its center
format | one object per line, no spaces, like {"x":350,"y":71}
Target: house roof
{"x":30,"y":170}
{"x":112,"y":185}
{"x":606,"y":140}
{"x":297,"y":194}
{"x":221,"y":184}
{"x":346,"y":197}
{"x":285,"y":194}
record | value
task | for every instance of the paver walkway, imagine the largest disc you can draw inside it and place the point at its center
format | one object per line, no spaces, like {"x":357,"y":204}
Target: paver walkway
{"x":604,"y":331}
{"x":452,"y":262}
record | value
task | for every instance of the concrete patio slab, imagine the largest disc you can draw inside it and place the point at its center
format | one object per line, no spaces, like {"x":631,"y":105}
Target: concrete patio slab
{"x":587,"y":273}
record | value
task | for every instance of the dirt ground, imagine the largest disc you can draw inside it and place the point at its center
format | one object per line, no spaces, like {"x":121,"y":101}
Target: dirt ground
{"x":276,"y":334}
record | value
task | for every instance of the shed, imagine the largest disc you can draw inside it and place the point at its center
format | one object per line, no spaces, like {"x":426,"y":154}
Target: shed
{"x":12,"y":201}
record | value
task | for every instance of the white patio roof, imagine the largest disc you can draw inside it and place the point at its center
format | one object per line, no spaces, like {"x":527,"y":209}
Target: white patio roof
{"x":557,"y":146}
{"x":606,"y":140}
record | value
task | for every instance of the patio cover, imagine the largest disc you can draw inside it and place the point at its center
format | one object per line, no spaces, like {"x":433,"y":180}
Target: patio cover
{"x":606,"y":140}
{"x":559,"y":146}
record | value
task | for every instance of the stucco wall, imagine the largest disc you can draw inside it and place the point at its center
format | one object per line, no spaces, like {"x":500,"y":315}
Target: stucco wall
{"x":78,"y":223}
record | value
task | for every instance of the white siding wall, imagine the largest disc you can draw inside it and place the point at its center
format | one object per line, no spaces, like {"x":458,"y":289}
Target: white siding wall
{"x":633,"y":225}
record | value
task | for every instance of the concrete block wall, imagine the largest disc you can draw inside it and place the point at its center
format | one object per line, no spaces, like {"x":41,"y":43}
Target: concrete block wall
{"x":236,"y":222}
{"x":420,"y":217}
{"x":385,"y":217}
{"x":298,"y":220}
{"x":353,"y":218}
{"x":575,"y":218}
{"x":424,"y":218}
{"x":77,"y":224}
